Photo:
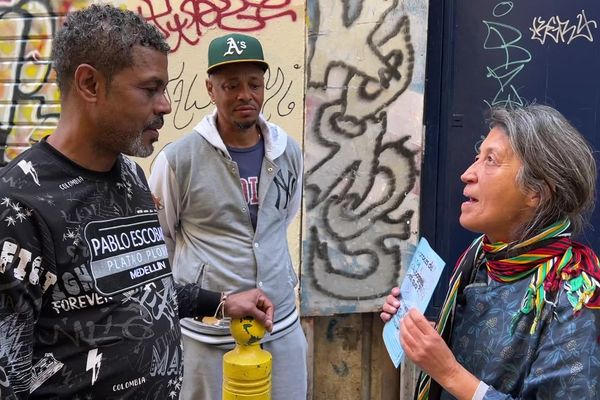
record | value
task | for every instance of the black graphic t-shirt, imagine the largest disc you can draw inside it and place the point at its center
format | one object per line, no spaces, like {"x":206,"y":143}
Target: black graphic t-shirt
{"x":88,"y":306}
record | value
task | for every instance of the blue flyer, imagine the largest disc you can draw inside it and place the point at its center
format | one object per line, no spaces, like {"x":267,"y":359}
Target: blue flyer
{"x":415,"y":292}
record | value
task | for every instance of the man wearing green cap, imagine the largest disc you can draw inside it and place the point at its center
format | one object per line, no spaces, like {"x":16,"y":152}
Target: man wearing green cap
{"x":228,"y":191}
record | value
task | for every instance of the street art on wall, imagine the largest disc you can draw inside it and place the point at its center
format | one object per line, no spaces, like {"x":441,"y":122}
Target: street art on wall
{"x":189,"y":20}
{"x":364,"y":105}
{"x":29,"y":102}
{"x":29,"y":98}
{"x":190,"y":25}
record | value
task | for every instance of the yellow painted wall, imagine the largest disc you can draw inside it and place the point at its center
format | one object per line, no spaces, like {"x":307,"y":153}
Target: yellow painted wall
{"x":29,"y":99}
{"x":190,"y":30}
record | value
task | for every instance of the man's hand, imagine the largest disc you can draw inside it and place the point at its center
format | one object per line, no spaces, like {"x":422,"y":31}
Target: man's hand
{"x":250,"y":303}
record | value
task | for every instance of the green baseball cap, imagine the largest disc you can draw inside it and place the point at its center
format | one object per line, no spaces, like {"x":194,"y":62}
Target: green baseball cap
{"x":235,"y":48}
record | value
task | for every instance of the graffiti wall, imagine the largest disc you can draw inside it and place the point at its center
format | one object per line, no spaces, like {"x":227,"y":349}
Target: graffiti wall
{"x":29,"y":98}
{"x":364,"y":110}
{"x":190,"y":25}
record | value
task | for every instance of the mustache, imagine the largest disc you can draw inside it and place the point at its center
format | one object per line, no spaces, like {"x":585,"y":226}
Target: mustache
{"x":157,"y":123}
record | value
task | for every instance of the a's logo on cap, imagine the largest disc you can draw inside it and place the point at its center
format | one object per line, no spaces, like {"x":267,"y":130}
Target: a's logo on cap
{"x":233,"y":46}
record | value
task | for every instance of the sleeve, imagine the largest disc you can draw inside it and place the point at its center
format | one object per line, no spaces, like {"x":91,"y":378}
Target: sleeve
{"x":195,"y":301}
{"x":480,"y":391}
{"x":24,"y":276}
{"x":165,"y":190}
{"x":567,"y":363}
{"x":296,"y":199}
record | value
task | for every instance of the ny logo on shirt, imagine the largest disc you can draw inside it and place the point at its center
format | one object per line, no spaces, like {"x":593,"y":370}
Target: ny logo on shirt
{"x":285,"y":188}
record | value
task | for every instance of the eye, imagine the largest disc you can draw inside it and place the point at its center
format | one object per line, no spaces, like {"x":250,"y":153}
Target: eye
{"x":490,"y":159}
{"x":151,"y":90}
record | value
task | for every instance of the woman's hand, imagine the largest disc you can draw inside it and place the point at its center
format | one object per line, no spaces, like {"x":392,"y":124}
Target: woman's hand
{"x":391,"y":305}
{"x":426,"y":348}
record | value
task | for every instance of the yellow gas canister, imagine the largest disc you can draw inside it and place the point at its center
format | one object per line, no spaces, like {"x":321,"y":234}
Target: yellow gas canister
{"x":247,"y":368}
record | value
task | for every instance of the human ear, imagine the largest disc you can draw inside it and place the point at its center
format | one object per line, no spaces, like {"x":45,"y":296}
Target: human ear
{"x":209,"y":89}
{"x":87,"y":82}
{"x":533,"y":199}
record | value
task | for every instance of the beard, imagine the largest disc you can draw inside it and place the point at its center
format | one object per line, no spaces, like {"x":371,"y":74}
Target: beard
{"x":245,"y":125}
{"x":137,"y":147}
{"x":133,"y":144}
{"x":128,"y":144}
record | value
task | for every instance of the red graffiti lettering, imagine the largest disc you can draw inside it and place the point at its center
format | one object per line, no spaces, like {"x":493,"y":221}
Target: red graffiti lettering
{"x":193,"y":17}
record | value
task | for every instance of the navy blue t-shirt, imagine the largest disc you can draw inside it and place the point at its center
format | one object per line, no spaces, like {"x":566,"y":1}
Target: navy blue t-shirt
{"x":249,"y":161}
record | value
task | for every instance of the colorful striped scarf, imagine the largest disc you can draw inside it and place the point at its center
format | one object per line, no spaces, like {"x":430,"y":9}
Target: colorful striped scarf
{"x":550,"y":258}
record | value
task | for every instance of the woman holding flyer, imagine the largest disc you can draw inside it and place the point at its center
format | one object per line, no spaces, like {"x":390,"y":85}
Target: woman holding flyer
{"x":521,"y":319}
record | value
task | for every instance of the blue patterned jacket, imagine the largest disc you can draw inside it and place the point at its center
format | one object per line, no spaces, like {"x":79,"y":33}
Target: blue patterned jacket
{"x":561,"y":360}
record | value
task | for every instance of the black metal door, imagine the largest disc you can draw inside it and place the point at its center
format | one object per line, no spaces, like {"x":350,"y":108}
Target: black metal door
{"x":483,"y":53}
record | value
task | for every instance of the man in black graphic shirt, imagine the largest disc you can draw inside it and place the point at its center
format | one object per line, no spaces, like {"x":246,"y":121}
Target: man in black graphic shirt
{"x":88,"y":305}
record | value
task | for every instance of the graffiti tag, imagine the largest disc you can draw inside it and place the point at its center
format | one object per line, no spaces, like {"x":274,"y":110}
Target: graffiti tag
{"x":562,"y":31}
{"x":505,"y":40}
{"x":192,"y":18}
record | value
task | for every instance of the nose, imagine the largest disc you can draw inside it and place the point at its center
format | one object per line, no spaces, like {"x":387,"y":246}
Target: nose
{"x":163,"y":105}
{"x":469,"y":176}
{"x":244,"y":93}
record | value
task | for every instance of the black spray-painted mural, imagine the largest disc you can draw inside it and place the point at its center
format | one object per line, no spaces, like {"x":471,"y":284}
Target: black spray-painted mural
{"x":363,"y":141}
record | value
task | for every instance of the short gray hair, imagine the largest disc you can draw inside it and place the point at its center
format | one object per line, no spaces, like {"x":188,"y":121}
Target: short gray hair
{"x":102,"y":36}
{"x":558,"y":164}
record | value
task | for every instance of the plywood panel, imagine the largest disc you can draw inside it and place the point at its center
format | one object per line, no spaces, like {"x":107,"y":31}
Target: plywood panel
{"x":349,"y":361}
{"x":385,"y":378}
{"x":337,"y":357}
